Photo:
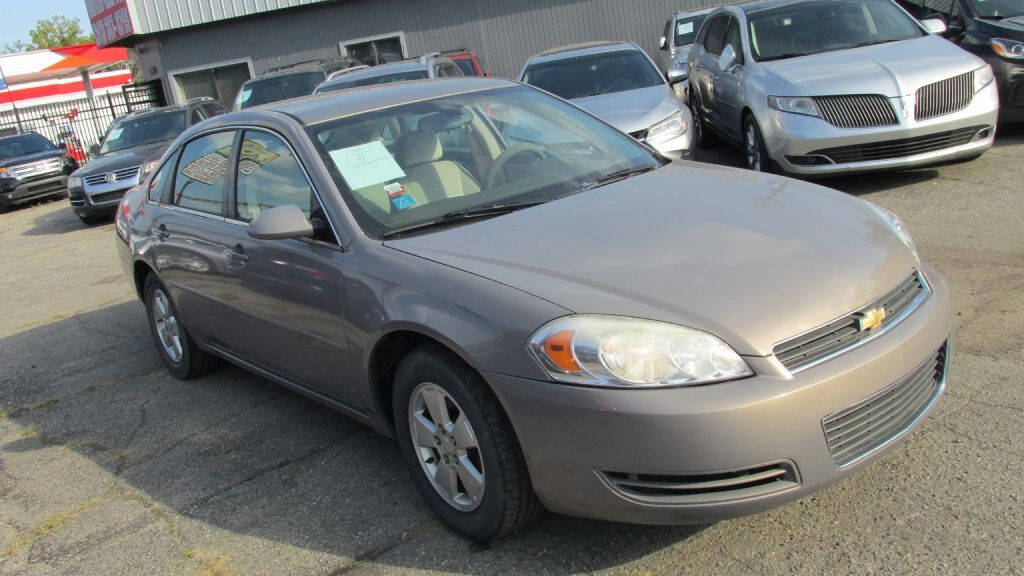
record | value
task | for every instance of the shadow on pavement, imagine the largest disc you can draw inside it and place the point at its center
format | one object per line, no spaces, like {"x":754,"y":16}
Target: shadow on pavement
{"x":246,"y":456}
{"x":60,"y":222}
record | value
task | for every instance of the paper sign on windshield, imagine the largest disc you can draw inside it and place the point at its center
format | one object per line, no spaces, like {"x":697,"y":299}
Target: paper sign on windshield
{"x":366,"y":165}
{"x":115,"y":134}
{"x":684,"y":28}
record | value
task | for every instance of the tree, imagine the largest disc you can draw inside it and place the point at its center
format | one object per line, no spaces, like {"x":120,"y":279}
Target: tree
{"x":58,"y":31}
{"x":15,"y":47}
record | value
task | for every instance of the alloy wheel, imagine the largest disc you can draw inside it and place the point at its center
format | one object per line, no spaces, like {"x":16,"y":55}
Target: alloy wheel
{"x":753,"y":148}
{"x":167,"y":326}
{"x":446,"y":447}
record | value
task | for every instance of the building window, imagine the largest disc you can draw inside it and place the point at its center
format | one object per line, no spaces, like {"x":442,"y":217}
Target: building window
{"x":374,"y":50}
{"x":220,"y":83}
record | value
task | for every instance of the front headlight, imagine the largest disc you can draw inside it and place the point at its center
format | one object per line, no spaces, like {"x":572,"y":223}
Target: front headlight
{"x":795,"y":105}
{"x":74,"y":182}
{"x":5,"y":173}
{"x":897,"y":226}
{"x":983,"y":77}
{"x":1009,"y":49}
{"x":671,"y":127}
{"x":620,"y":352}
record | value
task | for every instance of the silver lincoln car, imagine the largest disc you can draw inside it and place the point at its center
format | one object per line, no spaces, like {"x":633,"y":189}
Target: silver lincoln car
{"x":822,"y":87}
{"x":577,"y":323}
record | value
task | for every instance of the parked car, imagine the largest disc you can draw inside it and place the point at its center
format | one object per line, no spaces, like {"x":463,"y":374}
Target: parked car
{"x":680,"y":32}
{"x":569,"y":324}
{"x":127,"y":148}
{"x":432,"y":65}
{"x":618,"y":82}
{"x":825,"y":87}
{"x":292,"y":81}
{"x":992,"y":29}
{"x":344,"y":71}
{"x":467,"y":61}
{"x":32,"y":167}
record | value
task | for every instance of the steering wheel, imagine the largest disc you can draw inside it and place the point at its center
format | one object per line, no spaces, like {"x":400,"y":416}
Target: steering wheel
{"x":498,"y":166}
{"x":620,"y":84}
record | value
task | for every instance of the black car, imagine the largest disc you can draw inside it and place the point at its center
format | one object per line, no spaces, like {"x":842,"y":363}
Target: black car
{"x":291,"y":81}
{"x":130,"y":143}
{"x":32,"y":167}
{"x":992,"y":29}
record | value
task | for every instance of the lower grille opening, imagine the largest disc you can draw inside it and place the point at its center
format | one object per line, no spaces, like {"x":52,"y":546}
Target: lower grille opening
{"x":902,"y":148}
{"x":704,"y":488}
{"x":808,"y":160}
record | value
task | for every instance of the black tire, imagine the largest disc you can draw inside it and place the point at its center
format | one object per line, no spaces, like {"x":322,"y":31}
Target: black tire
{"x":508,"y":502}
{"x":193,"y":362}
{"x":755,"y":154}
{"x":701,"y":136}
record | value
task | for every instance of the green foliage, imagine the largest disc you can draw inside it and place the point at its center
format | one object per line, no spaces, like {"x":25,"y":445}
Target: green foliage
{"x":58,"y":31}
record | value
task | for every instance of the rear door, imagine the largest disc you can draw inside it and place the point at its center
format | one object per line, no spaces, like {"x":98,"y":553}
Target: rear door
{"x":190,"y":233}
{"x":706,"y":68}
{"x":289,"y":290}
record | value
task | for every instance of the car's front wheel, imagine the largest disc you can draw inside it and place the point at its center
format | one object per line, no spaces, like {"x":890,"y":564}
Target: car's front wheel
{"x":755,"y":152}
{"x":177,"y":348}
{"x":460,"y":447}
{"x":700,"y":131}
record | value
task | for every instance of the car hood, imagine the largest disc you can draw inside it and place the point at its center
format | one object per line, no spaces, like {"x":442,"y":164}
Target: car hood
{"x":632,"y":110}
{"x":124,"y":158}
{"x":1012,"y":28}
{"x":19,"y":160}
{"x":754,"y":259}
{"x":894,"y":69}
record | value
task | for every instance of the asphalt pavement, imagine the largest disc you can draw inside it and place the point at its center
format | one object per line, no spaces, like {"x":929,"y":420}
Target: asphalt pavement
{"x":110,"y":466}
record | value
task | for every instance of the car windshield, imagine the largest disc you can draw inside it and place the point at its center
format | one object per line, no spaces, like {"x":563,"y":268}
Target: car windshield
{"x":146,"y":129}
{"x":24,"y":145}
{"x":997,"y":9}
{"x":420,"y":164}
{"x":278,"y":88}
{"x":466,"y":65}
{"x":373,"y":80}
{"x":687,"y":28}
{"x":808,"y":28}
{"x":595,"y":74}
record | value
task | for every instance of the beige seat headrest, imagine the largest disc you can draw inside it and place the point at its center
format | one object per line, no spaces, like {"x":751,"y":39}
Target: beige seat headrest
{"x":419,"y":147}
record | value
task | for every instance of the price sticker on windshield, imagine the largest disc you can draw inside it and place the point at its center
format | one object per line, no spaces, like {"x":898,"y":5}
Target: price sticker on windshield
{"x":366,"y":165}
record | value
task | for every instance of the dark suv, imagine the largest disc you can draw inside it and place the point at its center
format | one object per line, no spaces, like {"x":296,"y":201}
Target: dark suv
{"x":290,"y":81}
{"x":32,"y":167}
{"x":129,"y":144}
{"x":992,"y":29}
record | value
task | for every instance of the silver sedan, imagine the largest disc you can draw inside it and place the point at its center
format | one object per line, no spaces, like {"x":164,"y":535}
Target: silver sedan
{"x":822,"y":87}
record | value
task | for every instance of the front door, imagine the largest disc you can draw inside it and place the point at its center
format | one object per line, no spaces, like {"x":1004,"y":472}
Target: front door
{"x":727,"y":85}
{"x":289,"y":289}
{"x":705,"y":74}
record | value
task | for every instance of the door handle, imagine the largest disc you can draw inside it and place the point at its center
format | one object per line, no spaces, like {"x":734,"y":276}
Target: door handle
{"x":238,"y":255}
{"x":162,"y":233}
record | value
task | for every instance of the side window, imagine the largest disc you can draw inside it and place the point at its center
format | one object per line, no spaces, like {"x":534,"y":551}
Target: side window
{"x":158,"y":183}
{"x":453,"y":70}
{"x":714,"y":39}
{"x":213,"y":110}
{"x":199,"y":179}
{"x":734,"y":38}
{"x":198,"y":115}
{"x":667,"y":34}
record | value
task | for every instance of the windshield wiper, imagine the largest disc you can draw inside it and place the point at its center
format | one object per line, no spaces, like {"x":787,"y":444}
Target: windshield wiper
{"x":785,"y":56}
{"x":993,"y":17}
{"x":872,"y":43}
{"x":463,"y":215}
{"x":617,"y":176}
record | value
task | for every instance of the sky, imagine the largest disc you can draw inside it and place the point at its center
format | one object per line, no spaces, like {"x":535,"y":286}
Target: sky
{"x":20,"y":16}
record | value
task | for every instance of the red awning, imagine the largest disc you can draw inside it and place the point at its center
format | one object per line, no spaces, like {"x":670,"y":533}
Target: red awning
{"x":87,"y":56}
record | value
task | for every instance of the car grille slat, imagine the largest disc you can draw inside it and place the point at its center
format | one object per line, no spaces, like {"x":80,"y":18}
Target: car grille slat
{"x":860,"y":111}
{"x":37,"y":168}
{"x":843,"y":333}
{"x":703,"y":488}
{"x":944,"y":97}
{"x":119,"y":175}
{"x":856,"y":431}
{"x":900,"y":148}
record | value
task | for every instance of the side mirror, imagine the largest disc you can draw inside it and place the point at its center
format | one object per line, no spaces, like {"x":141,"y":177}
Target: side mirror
{"x":63,"y":145}
{"x":677,"y":73}
{"x":94,"y":149}
{"x":281,"y":223}
{"x":663,"y":43}
{"x":935,"y":25}
{"x":728,"y":59}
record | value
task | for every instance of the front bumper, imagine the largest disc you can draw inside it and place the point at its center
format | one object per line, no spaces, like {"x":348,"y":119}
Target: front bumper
{"x":572,"y":436}
{"x":33,"y":189}
{"x":1010,"y":79}
{"x":95,"y":203}
{"x":791,"y":139}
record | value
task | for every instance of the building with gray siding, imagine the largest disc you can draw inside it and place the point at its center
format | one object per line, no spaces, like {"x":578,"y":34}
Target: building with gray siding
{"x":208,"y":47}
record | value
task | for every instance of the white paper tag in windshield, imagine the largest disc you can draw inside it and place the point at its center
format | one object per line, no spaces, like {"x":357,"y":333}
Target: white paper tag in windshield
{"x":366,"y":165}
{"x":244,"y":96}
{"x":115,"y":134}
{"x":684,"y":28}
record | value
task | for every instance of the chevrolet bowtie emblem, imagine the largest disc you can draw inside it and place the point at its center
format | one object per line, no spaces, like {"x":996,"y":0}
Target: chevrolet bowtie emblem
{"x":872,"y":318}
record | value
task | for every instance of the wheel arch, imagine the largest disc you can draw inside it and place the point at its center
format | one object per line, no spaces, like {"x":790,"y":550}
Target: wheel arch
{"x":140,"y":270}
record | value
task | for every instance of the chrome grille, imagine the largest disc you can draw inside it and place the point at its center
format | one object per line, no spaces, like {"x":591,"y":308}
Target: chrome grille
{"x":865,"y":427}
{"x":119,"y":175}
{"x":840,"y":335}
{"x":902,"y":148}
{"x":944,"y":97}
{"x":710,"y":487}
{"x":37,"y":168}
{"x":864,"y":111}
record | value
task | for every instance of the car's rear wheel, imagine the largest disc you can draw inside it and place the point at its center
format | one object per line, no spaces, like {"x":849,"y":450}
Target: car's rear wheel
{"x":754,"y":150}
{"x":177,"y":349}
{"x":460,"y":447}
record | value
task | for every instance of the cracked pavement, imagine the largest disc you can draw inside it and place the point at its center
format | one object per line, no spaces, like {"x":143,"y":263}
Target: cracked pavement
{"x":110,"y":466}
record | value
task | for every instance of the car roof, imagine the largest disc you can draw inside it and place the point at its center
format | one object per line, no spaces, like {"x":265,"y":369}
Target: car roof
{"x":759,"y":5}
{"x":327,"y":106}
{"x":584,"y":49}
{"x":22,"y":135}
{"x":300,"y":69}
{"x":684,"y":13}
{"x":382,"y":70}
